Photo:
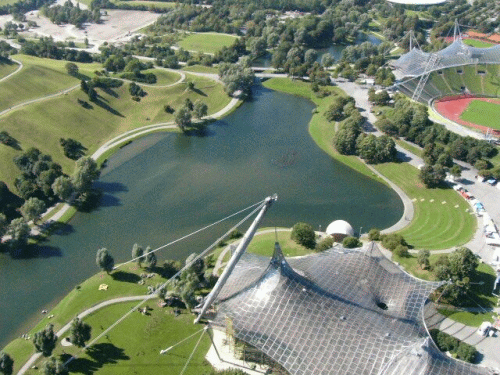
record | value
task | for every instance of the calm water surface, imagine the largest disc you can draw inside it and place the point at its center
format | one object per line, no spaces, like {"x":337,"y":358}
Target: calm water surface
{"x":165,"y":185}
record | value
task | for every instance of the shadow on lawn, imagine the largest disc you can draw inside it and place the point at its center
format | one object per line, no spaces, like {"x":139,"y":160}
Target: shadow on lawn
{"x":100,"y":355}
{"x":125,"y":277}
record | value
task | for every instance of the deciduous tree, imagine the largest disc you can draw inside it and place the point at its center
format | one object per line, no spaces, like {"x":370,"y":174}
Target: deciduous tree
{"x":33,"y":208}
{"x":80,"y":332}
{"x":138,"y":252}
{"x":104,"y":260}
{"x":45,"y":340}
{"x":6,"y":364}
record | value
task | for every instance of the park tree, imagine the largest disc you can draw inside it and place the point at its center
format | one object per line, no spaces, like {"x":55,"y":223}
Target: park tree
{"x":53,"y":366}
{"x":138,"y":254}
{"x":19,"y":231}
{"x":3,"y":225}
{"x":463,"y":263}
{"x":303,"y":234}
{"x":200,"y":109}
{"x":374,"y":234}
{"x":71,"y":68}
{"x":432,"y":175}
{"x":183,"y":118}
{"x":423,"y":258}
{"x":63,"y":188}
{"x":86,"y":172}
{"x":104,"y":260}
{"x":456,"y":171}
{"x":325,"y":244}
{"x":45,"y":340}
{"x":367,"y":148}
{"x":327,"y":60}
{"x":6,"y":364}
{"x":150,"y":258}
{"x":33,"y":208}
{"x":80,"y":332}
{"x":351,"y":242}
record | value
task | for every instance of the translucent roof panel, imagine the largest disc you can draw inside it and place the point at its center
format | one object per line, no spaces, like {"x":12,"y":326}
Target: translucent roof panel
{"x":416,"y":62}
{"x":338,"y":312}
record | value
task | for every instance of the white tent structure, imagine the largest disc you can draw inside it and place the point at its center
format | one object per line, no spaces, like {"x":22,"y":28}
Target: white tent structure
{"x":339,"y":229}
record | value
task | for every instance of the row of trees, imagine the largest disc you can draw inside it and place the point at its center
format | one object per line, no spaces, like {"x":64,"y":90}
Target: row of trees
{"x":69,"y":13}
{"x":184,"y":115}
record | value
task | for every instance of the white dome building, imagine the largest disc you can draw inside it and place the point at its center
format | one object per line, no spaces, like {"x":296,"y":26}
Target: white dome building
{"x":339,"y":229}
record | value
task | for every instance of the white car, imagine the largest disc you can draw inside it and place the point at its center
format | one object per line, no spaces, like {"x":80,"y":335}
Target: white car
{"x":484,"y":328}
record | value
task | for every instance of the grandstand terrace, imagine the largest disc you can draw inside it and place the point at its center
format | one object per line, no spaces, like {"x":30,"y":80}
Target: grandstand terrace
{"x":457,"y":69}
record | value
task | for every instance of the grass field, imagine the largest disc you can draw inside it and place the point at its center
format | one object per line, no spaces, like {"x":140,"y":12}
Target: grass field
{"x":150,"y":4}
{"x":482,"y":113}
{"x":477,"y":43}
{"x":200,"y":69}
{"x":206,"y":42}
{"x":435,"y":225}
{"x":263,"y":244}
{"x":163,"y":77}
{"x":134,"y":346}
{"x":468,"y":318}
{"x":6,"y":68}
{"x":37,"y":78}
{"x":42,"y":124}
{"x":320,"y":129}
{"x":7,"y":2}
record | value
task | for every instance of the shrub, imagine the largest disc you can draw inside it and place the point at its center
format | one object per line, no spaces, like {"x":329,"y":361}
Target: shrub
{"x":466,"y":352}
{"x":351,"y":242}
{"x":303,"y":234}
{"x":374,"y":234}
{"x":391,"y":241}
{"x":325,"y":244}
{"x":446,"y":342}
{"x":482,"y":164}
{"x":401,"y":251}
{"x":235,"y":234}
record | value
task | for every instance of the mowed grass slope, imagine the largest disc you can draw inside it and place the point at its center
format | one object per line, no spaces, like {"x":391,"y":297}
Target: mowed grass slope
{"x":436,"y":225}
{"x":482,"y":113}
{"x":42,"y":124}
{"x":133,"y":347}
{"x":6,"y":68}
{"x":206,"y":42}
{"x":37,"y":78}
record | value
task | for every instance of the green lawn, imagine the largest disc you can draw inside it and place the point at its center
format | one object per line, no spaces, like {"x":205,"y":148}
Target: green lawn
{"x":42,"y":124}
{"x":435,"y":225}
{"x":409,"y":147}
{"x":7,"y":2}
{"x":37,"y":78}
{"x":122,"y":282}
{"x":320,"y":129}
{"x":150,"y":4}
{"x":200,"y":69}
{"x":263,"y":244}
{"x":163,"y":77}
{"x":134,"y":346}
{"x":6,"y":68}
{"x":468,"y":318}
{"x":477,"y":43}
{"x":206,"y":42}
{"x":482,"y":113}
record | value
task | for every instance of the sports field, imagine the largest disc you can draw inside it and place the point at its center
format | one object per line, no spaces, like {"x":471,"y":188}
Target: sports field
{"x":207,"y":42}
{"x":477,"y":43}
{"x":453,"y":108}
{"x":484,"y":113}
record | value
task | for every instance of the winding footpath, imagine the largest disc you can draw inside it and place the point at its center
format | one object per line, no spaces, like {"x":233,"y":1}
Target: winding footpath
{"x":82,"y":315}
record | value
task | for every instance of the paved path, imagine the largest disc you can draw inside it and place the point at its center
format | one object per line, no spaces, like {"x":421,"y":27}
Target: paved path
{"x":14,"y":72}
{"x":83,"y":314}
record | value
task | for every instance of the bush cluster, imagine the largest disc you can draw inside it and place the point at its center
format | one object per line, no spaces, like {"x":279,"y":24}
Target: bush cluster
{"x":447,"y":343}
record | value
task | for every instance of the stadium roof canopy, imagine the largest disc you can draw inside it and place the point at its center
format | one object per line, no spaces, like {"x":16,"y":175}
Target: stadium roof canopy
{"x":339,"y":312}
{"x":416,"y":62}
{"x":418,"y":2}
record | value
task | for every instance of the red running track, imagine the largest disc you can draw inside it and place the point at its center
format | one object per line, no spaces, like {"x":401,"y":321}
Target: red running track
{"x":452,"y":108}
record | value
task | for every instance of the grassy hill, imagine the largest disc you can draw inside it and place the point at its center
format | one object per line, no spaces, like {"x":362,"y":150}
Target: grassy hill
{"x":206,"y":42}
{"x":42,"y":124}
{"x":7,"y":67}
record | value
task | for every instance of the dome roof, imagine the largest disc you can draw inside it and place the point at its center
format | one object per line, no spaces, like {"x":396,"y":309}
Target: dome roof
{"x":340,"y":227}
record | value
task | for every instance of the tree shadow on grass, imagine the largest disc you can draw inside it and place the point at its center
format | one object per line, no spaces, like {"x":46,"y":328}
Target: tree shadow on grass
{"x":199,"y":92}
{"x":100,"y":355}
{"x":110,"y":92}
{"x":99,"y":101}
{"x":126,"y":277}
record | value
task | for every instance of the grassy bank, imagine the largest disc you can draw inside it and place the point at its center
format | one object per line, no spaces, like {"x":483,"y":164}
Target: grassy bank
{"x":42,"y":124}
{"x":435,"y":225}
{"x":320,"y":129}
{"x":7,"y":67}
{"x":263,"y":244}
{"x":206,"y":42}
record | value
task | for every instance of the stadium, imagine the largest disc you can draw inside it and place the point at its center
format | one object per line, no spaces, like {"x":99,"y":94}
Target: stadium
{"x":344,"y":311}
{"x":460,"y":82}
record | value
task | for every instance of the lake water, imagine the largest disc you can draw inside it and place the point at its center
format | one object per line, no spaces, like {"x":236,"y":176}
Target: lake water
{"x":166,"y":185}
{"x":335,"y":50}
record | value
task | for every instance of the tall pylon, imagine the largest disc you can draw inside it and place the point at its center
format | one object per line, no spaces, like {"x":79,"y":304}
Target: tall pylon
{"x":456,"y":31}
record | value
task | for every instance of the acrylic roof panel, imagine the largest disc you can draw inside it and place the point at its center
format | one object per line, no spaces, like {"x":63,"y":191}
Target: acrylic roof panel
{"x":339,"y":312}
{"x":415,"y":62}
